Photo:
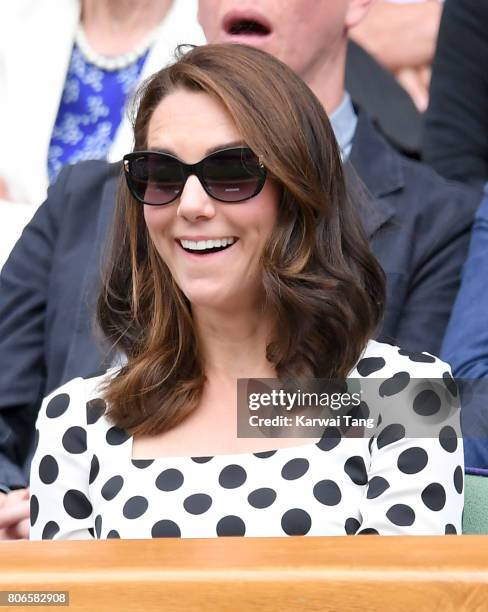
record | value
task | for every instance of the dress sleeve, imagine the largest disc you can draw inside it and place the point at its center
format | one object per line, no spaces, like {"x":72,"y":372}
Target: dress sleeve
{"x":59,"y":495}
{"x":416,"y":472}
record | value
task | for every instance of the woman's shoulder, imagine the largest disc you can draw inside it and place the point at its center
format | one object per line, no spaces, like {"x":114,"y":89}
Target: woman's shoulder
{"x":77,"y":401}
{"x":381,"y":360}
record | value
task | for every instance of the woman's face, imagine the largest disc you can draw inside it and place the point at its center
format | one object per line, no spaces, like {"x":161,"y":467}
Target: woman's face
{"x":189,"y":125}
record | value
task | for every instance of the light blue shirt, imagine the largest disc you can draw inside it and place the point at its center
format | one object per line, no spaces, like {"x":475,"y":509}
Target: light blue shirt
{"x":344,"y":121}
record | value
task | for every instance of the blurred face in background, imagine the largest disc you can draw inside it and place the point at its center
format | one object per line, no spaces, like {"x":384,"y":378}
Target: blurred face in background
{"x":304,"y":34}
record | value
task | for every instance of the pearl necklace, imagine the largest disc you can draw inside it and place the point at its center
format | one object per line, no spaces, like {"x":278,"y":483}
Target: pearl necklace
{"x":117,"y":62}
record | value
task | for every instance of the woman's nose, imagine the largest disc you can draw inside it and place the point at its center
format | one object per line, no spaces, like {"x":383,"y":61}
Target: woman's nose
{"x":194,"y":201}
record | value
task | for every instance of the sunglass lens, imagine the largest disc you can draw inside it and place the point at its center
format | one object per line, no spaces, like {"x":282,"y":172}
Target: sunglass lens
{"x":155,"y":179}
{"x":233,"y":176}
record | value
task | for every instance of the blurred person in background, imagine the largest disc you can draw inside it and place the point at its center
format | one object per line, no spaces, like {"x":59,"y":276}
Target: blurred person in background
{"x":401,"y":35}
{"x":67,"y":70}
{"x":418,"y":226}
{"x":456,"y":123}
{"x":465,"y":345}
{"x":456,"y":145}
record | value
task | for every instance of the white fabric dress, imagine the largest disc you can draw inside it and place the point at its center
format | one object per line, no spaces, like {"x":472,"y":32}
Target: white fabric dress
{"x":85,"y":484}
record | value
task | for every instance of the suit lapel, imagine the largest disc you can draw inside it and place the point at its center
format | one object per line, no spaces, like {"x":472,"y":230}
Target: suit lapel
{"x":373,"y":173}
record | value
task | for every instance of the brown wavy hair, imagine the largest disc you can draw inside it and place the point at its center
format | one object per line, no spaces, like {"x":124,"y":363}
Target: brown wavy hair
{"x":320,"y":278}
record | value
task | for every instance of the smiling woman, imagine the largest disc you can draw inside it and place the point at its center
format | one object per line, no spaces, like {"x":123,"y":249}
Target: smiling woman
{"x":236,"y":253}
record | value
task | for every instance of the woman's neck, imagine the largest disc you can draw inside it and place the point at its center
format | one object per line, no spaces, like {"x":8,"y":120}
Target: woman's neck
{"x":114,"y":27}
{"x":233,"y":345}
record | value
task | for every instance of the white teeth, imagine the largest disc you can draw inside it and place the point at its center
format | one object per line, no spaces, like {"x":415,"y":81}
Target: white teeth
{"x":201,"y":245}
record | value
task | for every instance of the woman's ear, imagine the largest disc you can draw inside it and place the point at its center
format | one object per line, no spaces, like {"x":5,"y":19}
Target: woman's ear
{"x":357,"y":10}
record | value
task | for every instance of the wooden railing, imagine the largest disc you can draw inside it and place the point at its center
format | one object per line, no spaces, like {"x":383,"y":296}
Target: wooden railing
{"x":342,"y":574}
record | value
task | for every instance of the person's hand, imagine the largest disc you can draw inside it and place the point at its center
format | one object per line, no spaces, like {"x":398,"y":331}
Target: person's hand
{"x":416,"y":82}
{"x":4,"y":194}
{"x":14,"y":515}
{"x":400,"y":36}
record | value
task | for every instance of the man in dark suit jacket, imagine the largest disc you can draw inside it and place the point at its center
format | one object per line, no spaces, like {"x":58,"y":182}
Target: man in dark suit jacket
{"x":418,"y":225}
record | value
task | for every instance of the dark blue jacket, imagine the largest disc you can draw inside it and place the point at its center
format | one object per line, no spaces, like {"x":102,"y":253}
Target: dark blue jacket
{"x":418,"y":225}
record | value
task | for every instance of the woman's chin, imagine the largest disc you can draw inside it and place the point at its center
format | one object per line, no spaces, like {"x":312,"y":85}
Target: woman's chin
{"x":211,"y":301}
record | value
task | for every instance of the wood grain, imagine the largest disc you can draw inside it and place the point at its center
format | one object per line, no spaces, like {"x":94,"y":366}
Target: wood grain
{"x":343,"y":574}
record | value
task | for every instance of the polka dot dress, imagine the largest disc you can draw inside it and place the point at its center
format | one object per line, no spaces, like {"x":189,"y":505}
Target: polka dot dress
{"x":85,"y":483}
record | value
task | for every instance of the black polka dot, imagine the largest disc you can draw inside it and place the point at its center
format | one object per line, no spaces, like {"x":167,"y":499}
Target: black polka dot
{"x":94,"y":469}
{"x":368,"y":531}
{"x":112,"y":487}
{"x":401,"y":514}
{"x":330,"y":439}
{"x":50,"y":530}
{"x":327,"y":492}
{"x":356,"y":470}
{"x":417,"y":357}
{"x":363,"y":411}
{"x":116,"y":436}
{"x":113,"y":535}
{"x":295,"y":468}
{"x":169,"y":480}
{"x":57,"y":405}
{"x":261,"y":498}
{"x":448,"y":439}
{"x":458,"y":479}
{"x":412,"y":460}
{"x":95,"y":409}
{"x":135,"y":507}
{"x":390,"y":434}
{"x":74,"y":440}
{"x":377,"y":486}
{"x":34,"y":510}
{"x":232,"y":476}
{"x":231,"y":526}
{"x":450,"y":383}
{"x":397,"y":383}
{"x":76,"y":504}
{"x":368,"y":365}
{"x":91,"y":531}
{"x":142,"y":463}
{"x":370,"y":443}
{"x":296,"y":522}
{"x":197,"y":503}
{"x":48,"y":469}
{"x":434,"y":496}
{"x":427,"y":403}
{"x":165,"y":529}
{"x":450,"y":529}
{"x":351,"y":526}
{"x":98,"y":525}
{"x":201,"y":459}
{"x":265,"y":454}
